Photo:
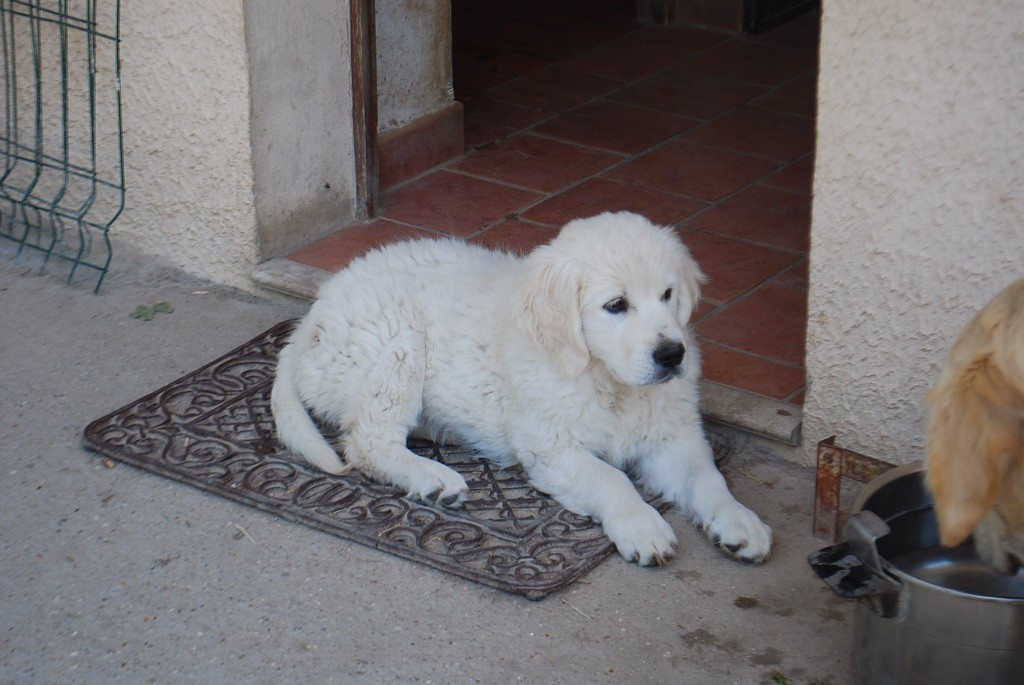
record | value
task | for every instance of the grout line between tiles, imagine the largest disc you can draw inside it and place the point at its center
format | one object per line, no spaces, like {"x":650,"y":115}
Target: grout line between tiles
{"x":792,"y":267}
{"x":789,"y":399}
{"x":746,"y":294}
{"x":556,"y":139}
{"x":748,"y":353}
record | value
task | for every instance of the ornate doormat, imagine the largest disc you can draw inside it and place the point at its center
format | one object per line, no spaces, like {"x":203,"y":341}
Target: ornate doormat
{"x":213,"y":430}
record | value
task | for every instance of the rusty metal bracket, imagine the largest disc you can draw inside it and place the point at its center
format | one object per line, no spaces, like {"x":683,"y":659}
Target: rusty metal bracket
{"x":833,"y":464}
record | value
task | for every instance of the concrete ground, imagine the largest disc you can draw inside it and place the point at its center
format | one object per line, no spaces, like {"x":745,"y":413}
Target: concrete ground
{"x":114,"y":575}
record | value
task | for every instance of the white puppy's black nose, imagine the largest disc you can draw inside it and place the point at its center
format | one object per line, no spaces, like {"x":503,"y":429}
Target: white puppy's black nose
{"x":669,"y":354}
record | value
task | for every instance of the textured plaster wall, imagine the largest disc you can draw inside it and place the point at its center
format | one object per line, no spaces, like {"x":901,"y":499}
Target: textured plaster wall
{"x":186,"y":134}
{"x":918,"y":205}
{"x":414,"y":60}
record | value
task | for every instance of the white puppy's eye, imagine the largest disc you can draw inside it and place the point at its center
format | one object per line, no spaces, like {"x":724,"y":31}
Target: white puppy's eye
{"x":667,"y":295}
{"x":616,"y":306}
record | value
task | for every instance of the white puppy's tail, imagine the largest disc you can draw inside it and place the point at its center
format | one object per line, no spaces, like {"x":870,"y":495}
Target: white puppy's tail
{"x":294,"y":427}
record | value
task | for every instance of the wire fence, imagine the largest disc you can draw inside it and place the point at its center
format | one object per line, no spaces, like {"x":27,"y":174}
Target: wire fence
{"x":62,"y":184}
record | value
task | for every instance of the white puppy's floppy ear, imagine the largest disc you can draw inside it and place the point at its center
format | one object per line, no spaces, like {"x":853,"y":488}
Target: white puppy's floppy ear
{"x":548,"y":307}
{"x":690,"y":275}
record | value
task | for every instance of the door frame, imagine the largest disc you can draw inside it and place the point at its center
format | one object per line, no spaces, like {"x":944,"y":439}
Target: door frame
{"x":363,"y":29}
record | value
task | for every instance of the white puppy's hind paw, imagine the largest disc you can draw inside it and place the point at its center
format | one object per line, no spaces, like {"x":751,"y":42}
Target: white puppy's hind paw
{"x":740,"y":533}
{"x":642,"y":536}
{"x":435,"y":483}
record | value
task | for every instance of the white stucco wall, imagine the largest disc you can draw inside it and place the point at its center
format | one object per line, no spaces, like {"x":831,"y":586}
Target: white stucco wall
{"x":186,"y":133}
{"x":918,"y":205}
{"x":414,"y":60}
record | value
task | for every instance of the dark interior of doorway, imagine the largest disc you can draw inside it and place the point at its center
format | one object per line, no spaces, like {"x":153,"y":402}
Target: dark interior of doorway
{"x":714,"y":131}
{"x":573,"y":108}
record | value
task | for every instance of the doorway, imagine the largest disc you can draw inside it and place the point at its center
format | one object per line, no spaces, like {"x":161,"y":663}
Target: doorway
{"x":573,"y":107}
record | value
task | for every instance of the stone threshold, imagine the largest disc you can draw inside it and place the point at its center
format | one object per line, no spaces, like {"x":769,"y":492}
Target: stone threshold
{"x":763,"y":417}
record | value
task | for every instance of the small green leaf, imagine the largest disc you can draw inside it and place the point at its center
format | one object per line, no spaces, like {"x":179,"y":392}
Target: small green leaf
{"x":147,"y":313}
{"x":143,"y":312}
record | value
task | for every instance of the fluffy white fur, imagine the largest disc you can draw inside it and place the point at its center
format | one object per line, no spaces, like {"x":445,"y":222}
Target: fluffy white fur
{"x":576,"y":361}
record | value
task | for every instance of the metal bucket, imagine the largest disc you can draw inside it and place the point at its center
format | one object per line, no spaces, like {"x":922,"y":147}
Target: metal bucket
{"x":926,"y":614}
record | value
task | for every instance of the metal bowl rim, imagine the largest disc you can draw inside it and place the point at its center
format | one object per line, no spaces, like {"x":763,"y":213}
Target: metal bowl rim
{"x":901,"y":576}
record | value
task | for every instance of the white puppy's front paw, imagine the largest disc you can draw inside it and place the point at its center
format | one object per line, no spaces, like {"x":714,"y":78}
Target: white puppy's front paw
{"x":435,"y":483}
{"x":740,"y":533}
{"x":641,"y":535}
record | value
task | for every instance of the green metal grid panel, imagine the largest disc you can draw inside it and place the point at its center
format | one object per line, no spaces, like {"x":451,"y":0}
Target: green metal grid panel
{"x":63,"y":155}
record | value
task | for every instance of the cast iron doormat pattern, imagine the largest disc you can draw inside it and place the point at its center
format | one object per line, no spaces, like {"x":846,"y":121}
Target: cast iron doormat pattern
{"x":213,"y":430}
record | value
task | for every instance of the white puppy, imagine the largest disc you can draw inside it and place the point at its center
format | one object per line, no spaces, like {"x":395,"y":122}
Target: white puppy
{"x":575,"y":361}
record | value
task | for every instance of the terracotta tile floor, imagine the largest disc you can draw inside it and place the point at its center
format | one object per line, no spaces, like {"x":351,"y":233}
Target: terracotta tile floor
{"x":572,"y":108}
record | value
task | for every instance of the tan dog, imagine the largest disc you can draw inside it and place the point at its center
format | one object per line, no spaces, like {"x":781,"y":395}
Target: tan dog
{"x":975,"y":444}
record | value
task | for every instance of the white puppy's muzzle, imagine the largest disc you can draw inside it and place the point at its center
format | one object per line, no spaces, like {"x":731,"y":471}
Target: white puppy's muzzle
{"x":667,"y":359}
